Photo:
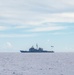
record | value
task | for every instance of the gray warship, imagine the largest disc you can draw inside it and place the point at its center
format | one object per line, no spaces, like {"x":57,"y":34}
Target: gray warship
{"x":36,"y":50}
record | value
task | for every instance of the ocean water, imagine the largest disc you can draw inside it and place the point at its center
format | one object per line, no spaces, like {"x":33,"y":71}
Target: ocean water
{"x":36,"y":63}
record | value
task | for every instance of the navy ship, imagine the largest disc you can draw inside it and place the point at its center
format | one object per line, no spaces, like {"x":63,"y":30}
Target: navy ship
{"x":36,"y":50}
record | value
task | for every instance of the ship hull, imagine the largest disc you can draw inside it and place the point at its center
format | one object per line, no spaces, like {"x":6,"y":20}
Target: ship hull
{"x":37,"y":52}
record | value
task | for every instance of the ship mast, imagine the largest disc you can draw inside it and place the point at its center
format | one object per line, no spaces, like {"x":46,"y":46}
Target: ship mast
{"x":37,"y":46}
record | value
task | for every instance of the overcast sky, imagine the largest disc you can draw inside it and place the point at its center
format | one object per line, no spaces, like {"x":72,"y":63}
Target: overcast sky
{"x":24,"y":23}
